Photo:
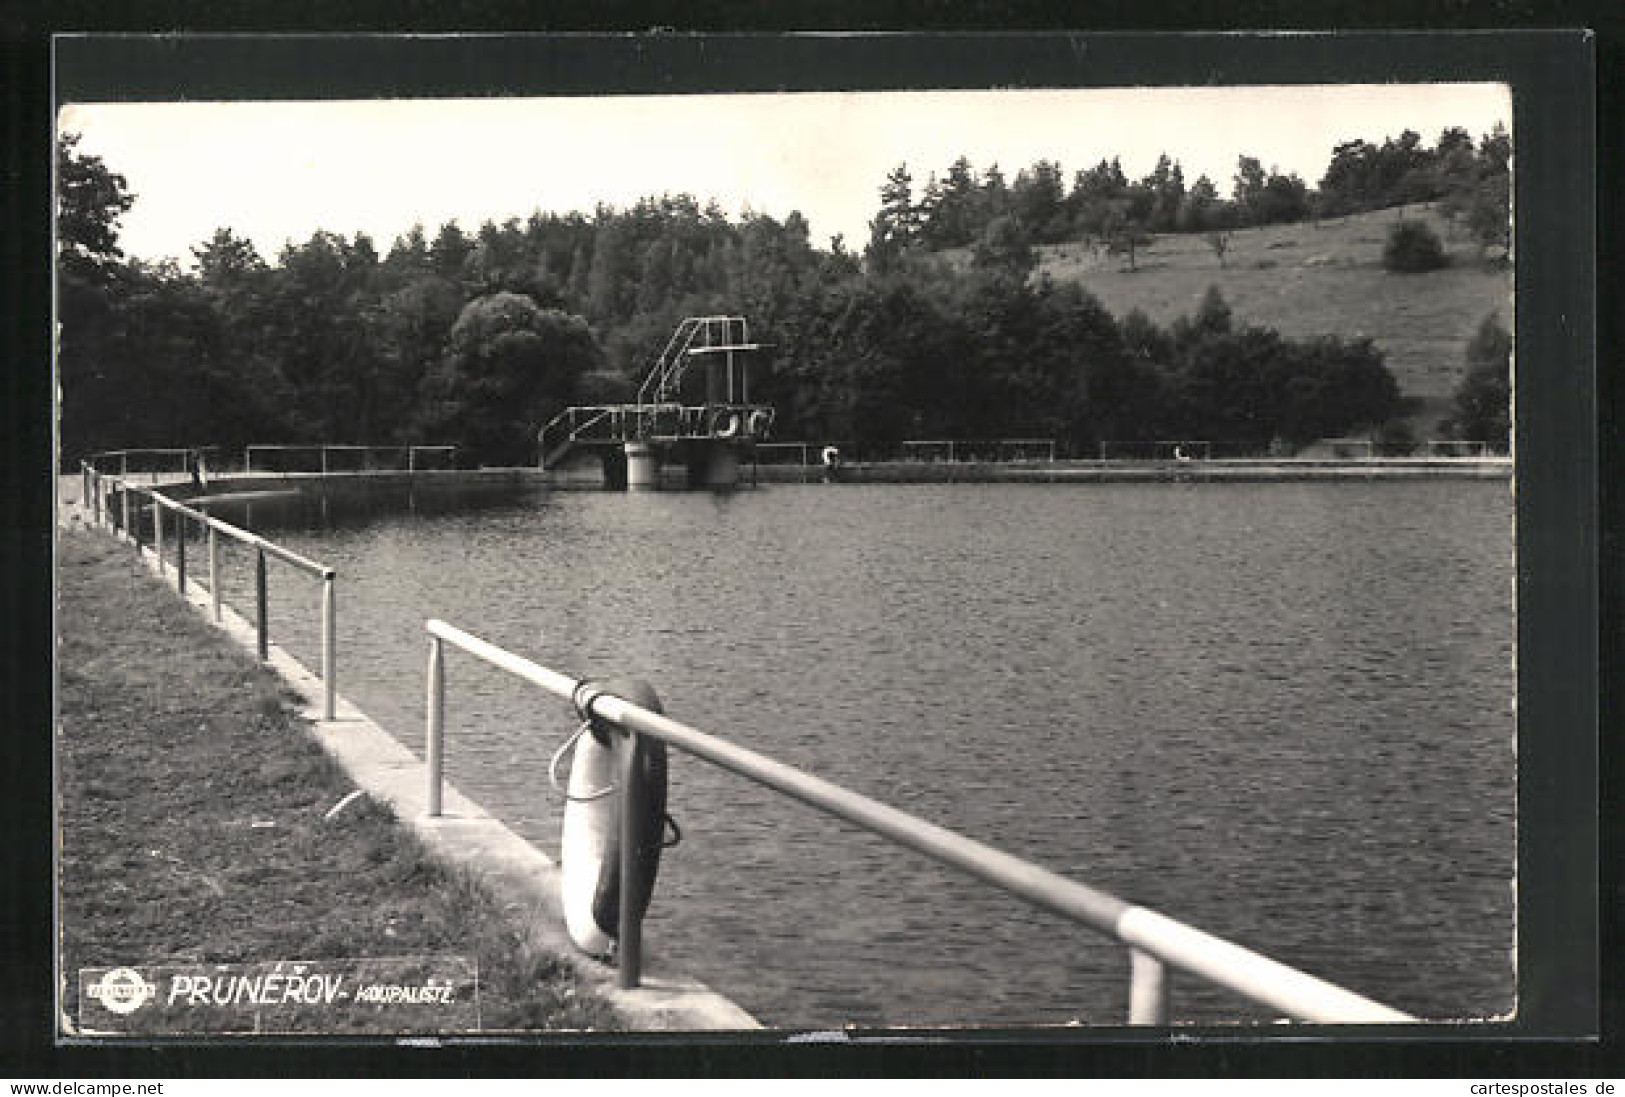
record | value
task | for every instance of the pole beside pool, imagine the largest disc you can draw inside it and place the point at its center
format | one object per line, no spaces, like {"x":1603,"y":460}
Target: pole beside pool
{"x":261,"y":625}
{"x":214,"y":573}
{"x":180,"y":553}
{"x":629,"y":931}
{"x":329,"y":643}
{"x":1148,"y":989}
{"x":433,"y":741}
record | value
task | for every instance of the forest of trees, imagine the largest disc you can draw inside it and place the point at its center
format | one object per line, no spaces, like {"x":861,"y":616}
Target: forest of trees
{"x":476,"y":338}
{"x":1105,"y":208}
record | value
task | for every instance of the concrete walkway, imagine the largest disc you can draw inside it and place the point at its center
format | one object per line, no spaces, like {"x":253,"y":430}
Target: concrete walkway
{"x":521,"y":876}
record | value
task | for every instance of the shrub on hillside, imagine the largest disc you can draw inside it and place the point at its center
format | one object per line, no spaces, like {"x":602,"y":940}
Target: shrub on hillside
{"x":1412,"y":248}
{"x":1483,"y":402}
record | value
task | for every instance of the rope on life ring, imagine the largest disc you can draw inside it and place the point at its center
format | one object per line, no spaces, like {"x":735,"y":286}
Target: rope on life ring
{"x":590,"y":842}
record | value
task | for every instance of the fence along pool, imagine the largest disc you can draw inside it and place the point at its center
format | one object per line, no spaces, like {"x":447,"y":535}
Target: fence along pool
{"x":1154,"y":940}
{"x":97,"y":486}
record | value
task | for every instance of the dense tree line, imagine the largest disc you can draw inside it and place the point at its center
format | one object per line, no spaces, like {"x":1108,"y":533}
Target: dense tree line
{"x":1104,"y":208}
{"x":478,"y":338}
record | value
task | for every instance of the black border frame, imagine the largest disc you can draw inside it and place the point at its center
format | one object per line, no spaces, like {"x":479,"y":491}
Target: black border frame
{"x":1552,"y":74}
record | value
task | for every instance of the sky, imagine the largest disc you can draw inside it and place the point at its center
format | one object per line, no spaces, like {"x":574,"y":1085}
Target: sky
{"x":277,"y":172}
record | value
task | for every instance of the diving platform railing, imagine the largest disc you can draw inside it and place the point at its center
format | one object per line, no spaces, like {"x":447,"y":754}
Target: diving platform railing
{"x":665,"y":422}
{"x":696,"y":335}
{"x":658,"y":413}
{"x":1155,"y":942}
{"x":99,"y":489}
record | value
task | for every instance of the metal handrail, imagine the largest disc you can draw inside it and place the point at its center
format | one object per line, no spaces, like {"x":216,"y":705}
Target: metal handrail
{"x":411,"y":450}
{"x":1154,"y":940}
{"x":95,"y":460}
{"x":93,"y":500}
{"x":972,"y":445}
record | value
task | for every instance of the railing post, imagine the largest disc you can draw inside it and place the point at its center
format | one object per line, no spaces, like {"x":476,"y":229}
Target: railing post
{"x":214,"y":573}
{"x":261,"y":625}
{"x":1148,"y":989}
{"x":158,"y":532}
{"x":124,"y":501}
{"x":629,"y":935}
{"x":436,"y":703}
{"x":180,"y":553}
{"x":329,"y":638}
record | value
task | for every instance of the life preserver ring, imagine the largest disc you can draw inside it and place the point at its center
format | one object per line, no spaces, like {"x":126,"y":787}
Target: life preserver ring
{"x":590,"y":842}
{"x":831,"y":457}
{"x":758,"y":423}
{"x":725,"y":423}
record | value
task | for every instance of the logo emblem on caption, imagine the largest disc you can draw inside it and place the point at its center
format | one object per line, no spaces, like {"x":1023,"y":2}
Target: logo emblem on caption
{"x":122,"y":990}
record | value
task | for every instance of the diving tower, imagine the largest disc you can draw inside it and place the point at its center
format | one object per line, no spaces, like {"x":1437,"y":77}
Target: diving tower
{"x":694,"y":406}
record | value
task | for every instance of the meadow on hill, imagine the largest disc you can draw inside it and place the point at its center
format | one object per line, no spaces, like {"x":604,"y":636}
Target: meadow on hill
{"x":1311,"y":279}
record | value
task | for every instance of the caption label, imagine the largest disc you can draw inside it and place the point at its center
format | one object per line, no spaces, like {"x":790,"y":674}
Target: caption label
{"x":398,"y":994}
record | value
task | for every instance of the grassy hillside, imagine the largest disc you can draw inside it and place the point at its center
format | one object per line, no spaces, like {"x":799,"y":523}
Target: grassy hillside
{"x":1310,"y":279}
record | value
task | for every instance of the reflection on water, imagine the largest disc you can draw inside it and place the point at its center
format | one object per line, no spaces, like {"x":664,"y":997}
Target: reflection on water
{"x":1281,"y":712}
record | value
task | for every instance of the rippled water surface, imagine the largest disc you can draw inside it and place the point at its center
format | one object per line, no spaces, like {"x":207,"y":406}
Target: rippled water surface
{"x":1282,"y":712}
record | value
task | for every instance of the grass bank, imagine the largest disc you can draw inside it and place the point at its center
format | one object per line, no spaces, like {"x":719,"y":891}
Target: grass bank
{"x":1312,"y":279}
{"x":193,"y":817}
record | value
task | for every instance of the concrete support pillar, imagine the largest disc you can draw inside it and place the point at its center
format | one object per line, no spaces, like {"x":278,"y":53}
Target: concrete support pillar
{"x":721,"y":466}
{"x":642,"y":466}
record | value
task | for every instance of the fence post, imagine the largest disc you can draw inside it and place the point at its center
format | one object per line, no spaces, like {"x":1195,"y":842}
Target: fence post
{"x":124,"y":501}
{"x":329,"y":638}
{"x":629,"y":935}
{"x":436,"y":703}
{"x":158,"y":532}
{"x":261,"y":625}
{"x":180,"y":553}
{"x":1148,"y":989}
{"x":214,"y":573}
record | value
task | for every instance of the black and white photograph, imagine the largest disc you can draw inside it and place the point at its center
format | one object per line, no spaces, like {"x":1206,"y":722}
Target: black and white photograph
{"x":808,"y":561}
